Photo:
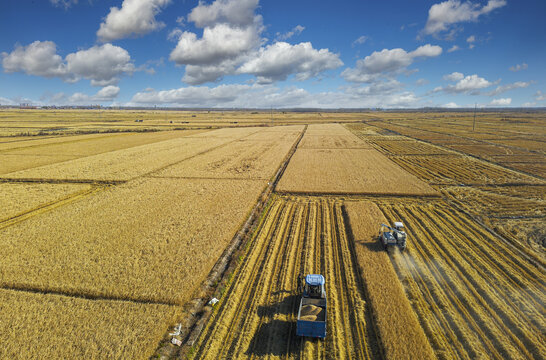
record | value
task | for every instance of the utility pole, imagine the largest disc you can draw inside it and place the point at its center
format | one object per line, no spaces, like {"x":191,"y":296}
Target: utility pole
{"x":474,"y":124}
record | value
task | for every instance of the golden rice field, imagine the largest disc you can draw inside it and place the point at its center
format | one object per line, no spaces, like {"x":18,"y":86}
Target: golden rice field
{"x":256,"y":316}
{"x":113,"y":231}
{"x":475,"y":296}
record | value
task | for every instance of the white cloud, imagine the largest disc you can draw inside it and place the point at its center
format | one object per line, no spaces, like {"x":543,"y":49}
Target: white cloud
{"x":501,"y":102}
{"x":219,"y":43}
{"x":5,"y":101}
{"x":464,"y":84}
{"x":231,"y":31}
{"x":231,"y":44}
{"x":450,"y":105}
{"x":540,"y":96}
{"x":298,"y":29}
{"x":174,"y":34}
{"x":264,"y":96}
{"x":101,"y":64}
{"x":361,"y":40}
{"x":503,"y":88}
{"x":529,"y":104}
{"x":279,"y":60}
{"x":237,"y":13}
{"x":63,"y":3}
{"x":135,"y":18}
{"x":445,"y":14}
{"x":454,"y":76}
{"x":469,"y":83}
{"x":39,"y":58}
{"x":106,"y":94}
{"x":387,"y":62}
{"x":453,"y":48}
{"x":471,"y":39}
{"x":421,"y":82}
{"x":518,"y":67}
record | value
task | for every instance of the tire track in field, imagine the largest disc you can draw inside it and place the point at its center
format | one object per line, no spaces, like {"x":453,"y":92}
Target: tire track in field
{"x":477,"y":277}
{"x":471,"y":317}
{"x":257,"y":316}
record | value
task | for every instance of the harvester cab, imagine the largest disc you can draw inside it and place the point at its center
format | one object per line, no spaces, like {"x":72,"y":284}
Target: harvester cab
{"x":314,"y":286}
{"x":395,"y":237}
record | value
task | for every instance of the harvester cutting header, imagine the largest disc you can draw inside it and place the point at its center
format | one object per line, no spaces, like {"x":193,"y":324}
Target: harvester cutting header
{"x":395,"y":237}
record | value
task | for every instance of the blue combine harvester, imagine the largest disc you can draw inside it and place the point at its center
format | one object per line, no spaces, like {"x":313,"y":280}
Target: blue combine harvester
{"x":312,"y":312}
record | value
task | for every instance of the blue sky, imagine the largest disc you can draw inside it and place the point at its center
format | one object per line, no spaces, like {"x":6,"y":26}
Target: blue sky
{"x":251,"y":53}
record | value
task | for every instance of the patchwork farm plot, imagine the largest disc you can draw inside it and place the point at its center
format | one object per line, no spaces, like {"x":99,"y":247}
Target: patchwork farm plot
{"x":110,"y":240}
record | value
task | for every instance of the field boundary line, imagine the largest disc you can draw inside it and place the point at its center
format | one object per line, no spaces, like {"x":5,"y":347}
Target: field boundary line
{"x":205,"y":178}
{"x":49,"y":206}
{"x":357,"y":194}
{"x":89,"y":297}
{"x":61,"y":181}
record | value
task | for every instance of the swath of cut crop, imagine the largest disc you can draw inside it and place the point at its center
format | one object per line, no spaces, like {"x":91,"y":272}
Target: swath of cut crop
{"x":256,"y":317}
{"x":401,"y":335}
{"x":466,"y":282}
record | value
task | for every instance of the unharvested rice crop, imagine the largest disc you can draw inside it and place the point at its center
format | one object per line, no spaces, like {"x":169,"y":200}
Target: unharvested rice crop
{"x":16,"y":142}
{"x":12,"y":163}
{"x":401,"y":334}
{"x":86,"y":145}
{"x":43,"y":326}
{"x":122,"y":165}
{"x":330,"y":136}
{"x":348,"y":171}
{"x":475,"y":295}
{"x":245,"y":159}
{"x":328,"y":129}
{"x":18,"y":198}
{"x":150,"y":240}
{"x":459,"y":170}
{"x":256,"y":317}
{"x":332,"y":142}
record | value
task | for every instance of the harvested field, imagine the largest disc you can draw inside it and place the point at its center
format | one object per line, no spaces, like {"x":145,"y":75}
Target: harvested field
{"x":86,"y":145}
{"x":46,"y":326}
{"x":13,"y":163}
{"x":129,"y":241}
{"x":331,"y":136}
{"x":122,"y":165}
{"x":398,"y":328}
{"x":493,"y":204}
{"x":245,"y":159}
{"x":332,"y":142}
{"x":348,"y":171}
{"x":18,"y":198}
{"x":256,"y":317}
{"x":536,"y":145}
{"x":487,"y":151}
{"x":475,"y":296}
{"x":407,"y":147}
{"x":459,"y":170}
